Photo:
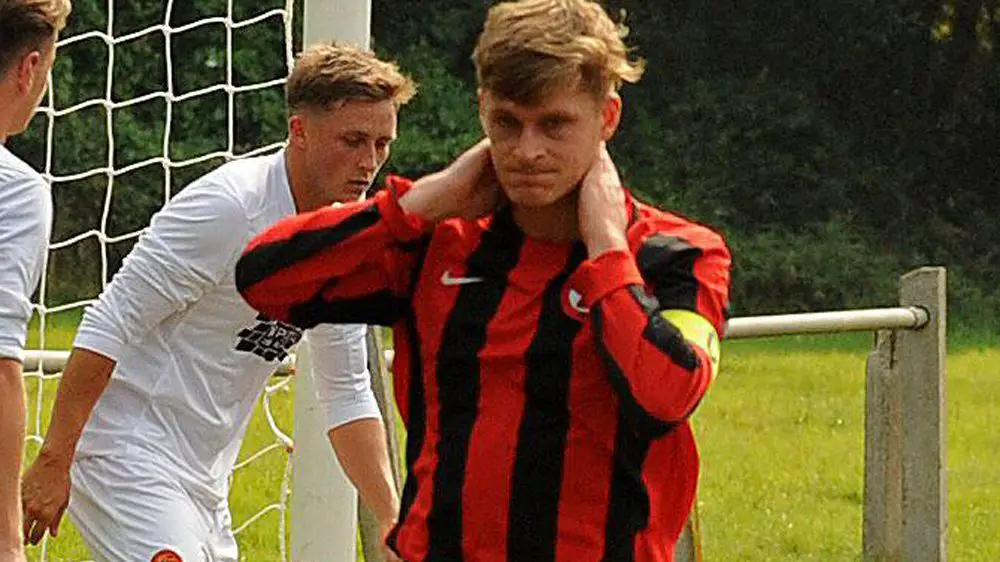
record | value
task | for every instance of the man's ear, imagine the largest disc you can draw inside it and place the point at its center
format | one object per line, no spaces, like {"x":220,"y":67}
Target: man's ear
{"x":26,"y":71}
{"x":296,"y":131}
{"x":481,"y":104}
{"x":611,"y":115}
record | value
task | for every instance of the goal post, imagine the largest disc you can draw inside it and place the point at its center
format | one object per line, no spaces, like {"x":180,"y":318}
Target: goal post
{"x":324,"y":503}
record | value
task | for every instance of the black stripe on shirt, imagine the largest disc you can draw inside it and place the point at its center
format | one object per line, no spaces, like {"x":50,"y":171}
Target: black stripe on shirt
{"x":416,"y":420}
{"x":662,"y":334}
{"x":458,"y":372}
{"x":628,"y":504}
{"x":382,"y":308}
{"x":416,"y":430}
{"x":536,"y":482}
{"x":667,"y":265}
{"x":269,"y":258}
{"x":616,"y":376}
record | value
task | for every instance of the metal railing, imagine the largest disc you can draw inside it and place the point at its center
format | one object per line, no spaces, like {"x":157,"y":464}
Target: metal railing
{"x":905,"y":484}
{"x":905,"y":480}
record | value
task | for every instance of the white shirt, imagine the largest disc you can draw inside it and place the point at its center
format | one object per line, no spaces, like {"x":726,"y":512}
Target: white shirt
{"x":25,"y":225}
{"x":192,"y":357}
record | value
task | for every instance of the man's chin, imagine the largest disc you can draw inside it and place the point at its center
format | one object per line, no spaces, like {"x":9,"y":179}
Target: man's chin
{"x":536,"y":198}
{"x":350,"y":195}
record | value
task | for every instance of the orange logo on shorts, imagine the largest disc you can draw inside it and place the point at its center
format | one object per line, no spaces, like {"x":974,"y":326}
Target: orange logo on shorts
{"x":166,"y":556}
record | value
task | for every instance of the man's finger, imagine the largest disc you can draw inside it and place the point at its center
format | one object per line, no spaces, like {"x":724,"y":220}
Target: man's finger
{"x":54,"y":525}
{"x":38,"y":532}
{"x":28,"y":520}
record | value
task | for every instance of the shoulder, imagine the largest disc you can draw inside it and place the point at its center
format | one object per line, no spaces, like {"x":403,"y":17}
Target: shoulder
{"x":679,"y":256}
{"x":19,"y":182}
{"x":246,"y":181}
{"x":234,"y":189}
{"x":655,"y":231}
{"x":13,"y":168}
{"x":25,"y":197}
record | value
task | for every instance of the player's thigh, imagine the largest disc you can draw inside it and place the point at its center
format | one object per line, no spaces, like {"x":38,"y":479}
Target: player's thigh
{"x":222,"y":547}
{"x":126,"y":513}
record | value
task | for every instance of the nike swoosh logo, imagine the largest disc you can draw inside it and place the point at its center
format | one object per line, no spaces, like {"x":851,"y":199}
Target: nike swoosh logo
{"x":448,"y":280}
{"x":575,"y":298}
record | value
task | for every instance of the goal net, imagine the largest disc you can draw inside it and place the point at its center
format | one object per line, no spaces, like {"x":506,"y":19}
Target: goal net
{"x":145,"y":96}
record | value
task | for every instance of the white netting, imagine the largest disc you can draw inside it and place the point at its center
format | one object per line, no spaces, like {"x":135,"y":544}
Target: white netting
{"x":117,"y":151}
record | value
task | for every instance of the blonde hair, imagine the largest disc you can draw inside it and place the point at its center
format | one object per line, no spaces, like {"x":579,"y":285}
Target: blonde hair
{"x":25,"y":25}
{"x":530,"y":48}
{"x":330,"y":73}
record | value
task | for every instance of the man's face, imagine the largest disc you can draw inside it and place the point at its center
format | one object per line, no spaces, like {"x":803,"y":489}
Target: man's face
{"x":542,"y":151}
{"x":344,"y":147}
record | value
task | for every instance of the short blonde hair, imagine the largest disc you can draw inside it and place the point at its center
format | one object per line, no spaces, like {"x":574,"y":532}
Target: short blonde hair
{"x":25,"y":25}
{"x":530,"y":48}
{"x":330,"y":73}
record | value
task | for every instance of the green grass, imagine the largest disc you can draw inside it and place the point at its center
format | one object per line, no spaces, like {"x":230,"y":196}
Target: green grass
{"x":781,"y":436}
{"x":254,"y":487}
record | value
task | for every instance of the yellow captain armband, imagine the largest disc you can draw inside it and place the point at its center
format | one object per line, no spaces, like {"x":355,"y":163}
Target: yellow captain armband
{"x":698,"y":330}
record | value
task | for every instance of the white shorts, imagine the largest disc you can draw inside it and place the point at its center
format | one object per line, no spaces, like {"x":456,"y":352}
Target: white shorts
{"x":133,"y":510}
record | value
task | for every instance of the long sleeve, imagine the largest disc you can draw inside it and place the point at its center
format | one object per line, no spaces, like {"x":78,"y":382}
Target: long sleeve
{"x":657,"y":314}
{"x":346,"y":264}
{"x":189,"y":246}
{"x":25,"y":222}
{"x":340,"y":369}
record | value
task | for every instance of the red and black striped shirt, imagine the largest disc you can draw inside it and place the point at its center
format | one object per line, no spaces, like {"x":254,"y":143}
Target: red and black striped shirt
{"x":544,"y":395}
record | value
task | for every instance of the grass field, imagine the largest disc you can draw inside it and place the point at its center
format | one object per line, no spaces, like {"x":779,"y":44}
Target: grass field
{"x":781,"y":435}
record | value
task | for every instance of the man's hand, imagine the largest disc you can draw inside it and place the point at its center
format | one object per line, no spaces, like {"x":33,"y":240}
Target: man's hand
{"x":384,"y":528}
{"x":44,"y":496}
{"x":602,"y":213}
{"x":467,"y":188}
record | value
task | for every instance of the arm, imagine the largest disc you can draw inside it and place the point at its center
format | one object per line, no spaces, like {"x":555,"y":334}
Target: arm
{"x":25,"y":220}
{"x":46,"y":484}
{"x":354,"y":422}
{"x":187,"y":249}
{"x":362,"y":451}
{"x":658,"y":329}
{"x":657,"y":314}
{"x":355,"y":263}
{"x":350,"y":263}
{"x":11,"y":447}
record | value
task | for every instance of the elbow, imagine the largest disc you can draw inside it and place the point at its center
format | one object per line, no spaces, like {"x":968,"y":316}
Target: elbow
{"x":661,"y":398}
{"x":244,"y":277}
{"x":254,"y":289}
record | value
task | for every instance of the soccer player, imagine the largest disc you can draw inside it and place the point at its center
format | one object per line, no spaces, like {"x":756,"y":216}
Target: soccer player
{"x":167,"y":366}
{"x":28,"y":33}
{"x":553,"y":333}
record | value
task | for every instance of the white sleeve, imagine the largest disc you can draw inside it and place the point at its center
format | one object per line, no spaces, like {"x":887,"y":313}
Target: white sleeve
{"x":340,"y":369}
{"x":189,"y":246}
{"x":25,"y":224}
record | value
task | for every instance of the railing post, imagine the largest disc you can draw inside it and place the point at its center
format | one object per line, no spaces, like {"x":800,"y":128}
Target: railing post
{"x":882,"y":518}
{"x":921,"y":362}
{"x":371,"y":539}
{"x":689,"y":544}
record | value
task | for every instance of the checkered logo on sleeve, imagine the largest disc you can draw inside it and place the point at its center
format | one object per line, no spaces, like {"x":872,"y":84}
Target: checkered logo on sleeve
{"x":269,"y":339}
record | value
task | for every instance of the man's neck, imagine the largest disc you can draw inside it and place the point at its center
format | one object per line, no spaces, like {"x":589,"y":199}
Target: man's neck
{"x":297,"y":182}
{"x":557,"y":222}
{"x":6,"y":109}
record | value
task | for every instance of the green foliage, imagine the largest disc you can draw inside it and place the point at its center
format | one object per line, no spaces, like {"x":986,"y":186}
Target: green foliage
{"x":822,"y":266}
{"x":833,"y":142}
{"x":440,"y":122}
{"x":743,"y":154}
